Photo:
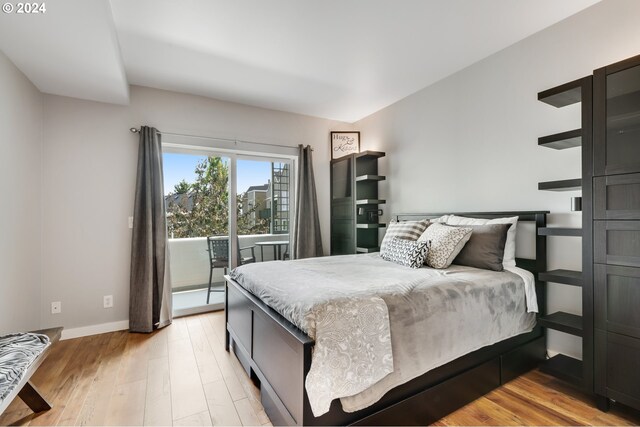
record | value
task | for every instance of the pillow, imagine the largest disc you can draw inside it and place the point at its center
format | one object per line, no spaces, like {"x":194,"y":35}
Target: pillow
{"x":409,"y":253}
{"x":441,"y":219}
{"x":485,"y":248}
{"x":445,"y":242}
{"x":509,"y":259}
{"x":409,"y":230}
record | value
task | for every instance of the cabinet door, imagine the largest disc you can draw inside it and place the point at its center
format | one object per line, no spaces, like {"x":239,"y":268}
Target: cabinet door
{"x":617,"y":143}
{"x":618,"y":372}
{"x":617,"y":243}
{"x":617,"y":294}
{"x":616,"y":197}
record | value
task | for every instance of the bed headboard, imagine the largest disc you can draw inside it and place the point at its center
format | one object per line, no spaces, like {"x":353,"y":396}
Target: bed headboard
{"x":535,"y":265}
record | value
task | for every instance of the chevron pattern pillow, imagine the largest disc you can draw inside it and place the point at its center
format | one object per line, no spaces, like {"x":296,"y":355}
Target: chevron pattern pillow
{"x":405,"y":252}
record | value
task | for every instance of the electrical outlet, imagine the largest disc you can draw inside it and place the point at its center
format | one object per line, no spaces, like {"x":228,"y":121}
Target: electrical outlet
{"x":56,"y":307}
{"x":130,"y":222}
{"x":107,"y":301}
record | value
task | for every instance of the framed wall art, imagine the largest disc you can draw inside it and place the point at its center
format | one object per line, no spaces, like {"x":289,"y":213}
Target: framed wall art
{"x":344,"y":143}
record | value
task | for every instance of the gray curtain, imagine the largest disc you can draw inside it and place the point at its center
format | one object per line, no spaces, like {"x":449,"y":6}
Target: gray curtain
{"x":307,"y":241}
{"x":150,"y":285}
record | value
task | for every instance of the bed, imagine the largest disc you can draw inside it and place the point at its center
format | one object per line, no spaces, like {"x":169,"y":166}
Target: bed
{"x":440,"y":359}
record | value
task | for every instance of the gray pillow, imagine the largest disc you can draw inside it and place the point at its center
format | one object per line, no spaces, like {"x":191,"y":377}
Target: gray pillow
{"x":485,"y":248}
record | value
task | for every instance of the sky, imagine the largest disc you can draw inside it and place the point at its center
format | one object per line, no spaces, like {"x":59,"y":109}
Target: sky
{"x":182,"y":166}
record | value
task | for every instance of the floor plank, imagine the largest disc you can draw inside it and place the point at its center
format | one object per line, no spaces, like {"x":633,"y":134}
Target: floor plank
{"x":187,"y":395}
{"x":182,"y":375}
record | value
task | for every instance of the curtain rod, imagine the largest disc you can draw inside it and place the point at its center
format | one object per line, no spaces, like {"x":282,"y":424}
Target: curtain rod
{"x":136,"y":130}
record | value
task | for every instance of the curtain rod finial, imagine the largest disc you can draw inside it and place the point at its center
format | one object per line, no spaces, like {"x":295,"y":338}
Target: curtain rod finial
{"x":134,"y":130}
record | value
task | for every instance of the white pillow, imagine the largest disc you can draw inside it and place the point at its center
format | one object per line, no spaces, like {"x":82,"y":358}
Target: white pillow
{"x":509,"y":259}
{"x":441,"y":219}
{"x":445,"y":243}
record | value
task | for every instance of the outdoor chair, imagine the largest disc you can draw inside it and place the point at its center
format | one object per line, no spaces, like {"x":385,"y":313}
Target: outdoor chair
{"x":218,"y":248}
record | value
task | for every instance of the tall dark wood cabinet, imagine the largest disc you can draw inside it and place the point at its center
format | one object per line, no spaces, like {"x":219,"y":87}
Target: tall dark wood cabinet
{"x":616,"y":224}
{"x":577,"y":372}
{"x":355,"y":203}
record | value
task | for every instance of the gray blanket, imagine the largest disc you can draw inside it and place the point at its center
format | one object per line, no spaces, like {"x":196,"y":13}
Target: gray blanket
{"x":17,"y":353}
{"x":354,"y":305}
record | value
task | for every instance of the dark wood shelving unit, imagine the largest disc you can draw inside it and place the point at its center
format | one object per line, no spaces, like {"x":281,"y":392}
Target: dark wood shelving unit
{"x":371,"y":202}
{"x":367,"y":226}
{"x":562,"y":140}
{"x":563,"y":95}
{"x":563,"y":185}
{"x":563,"y":322}
{"x":362,"y":250}
{"x":370,"y":178}
{"x":560,"y":231}
{"x":355,"y":203}
{"x":566,"y":277}
{"x":564,"y":367}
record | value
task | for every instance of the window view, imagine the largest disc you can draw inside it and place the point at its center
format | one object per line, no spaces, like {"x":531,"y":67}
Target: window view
{"x":197,"y":203}
{"x":197,"y":196}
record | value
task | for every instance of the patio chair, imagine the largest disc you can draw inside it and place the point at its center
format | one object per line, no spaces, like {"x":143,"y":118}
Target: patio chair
{"x":218,"y":248}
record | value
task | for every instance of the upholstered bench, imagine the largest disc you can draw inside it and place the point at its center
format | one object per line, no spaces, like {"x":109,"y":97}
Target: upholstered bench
{"x":20,"y":356}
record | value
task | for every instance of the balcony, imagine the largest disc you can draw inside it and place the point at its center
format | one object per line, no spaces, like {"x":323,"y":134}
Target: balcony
{"x":190,"y":271}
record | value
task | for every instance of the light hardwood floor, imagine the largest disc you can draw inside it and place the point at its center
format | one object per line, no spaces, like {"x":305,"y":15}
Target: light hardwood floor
{"x":181,"y":375}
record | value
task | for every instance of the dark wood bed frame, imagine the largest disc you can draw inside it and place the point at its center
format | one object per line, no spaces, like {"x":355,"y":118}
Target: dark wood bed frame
{"x":277,"y":356}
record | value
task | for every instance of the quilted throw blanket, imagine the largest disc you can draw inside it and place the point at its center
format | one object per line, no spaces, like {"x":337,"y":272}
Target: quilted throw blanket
{"x":17,"y":353}
{"x":351,"y":331}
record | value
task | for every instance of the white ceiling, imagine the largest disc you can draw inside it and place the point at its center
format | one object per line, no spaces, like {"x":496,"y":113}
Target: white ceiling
{"x":338,"y":59}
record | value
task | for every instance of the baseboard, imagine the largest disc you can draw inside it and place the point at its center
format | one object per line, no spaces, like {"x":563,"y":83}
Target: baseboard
{"x":102,"y":328}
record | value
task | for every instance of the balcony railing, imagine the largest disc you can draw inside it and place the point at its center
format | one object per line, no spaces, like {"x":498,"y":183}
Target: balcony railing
{"x":190,"y":259}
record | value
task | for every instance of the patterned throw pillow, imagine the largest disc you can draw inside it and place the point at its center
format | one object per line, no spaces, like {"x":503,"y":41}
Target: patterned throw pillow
{"x":405,"y":252}
{"x":446,"y":242}
{"x":409,"y":230}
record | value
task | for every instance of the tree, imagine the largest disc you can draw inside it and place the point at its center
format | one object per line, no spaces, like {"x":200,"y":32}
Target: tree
{"x":183,"y":187}
{"x":203,"y":208}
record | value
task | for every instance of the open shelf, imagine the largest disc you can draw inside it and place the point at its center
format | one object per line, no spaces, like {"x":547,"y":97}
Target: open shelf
{"x":564,"y":185}
{"x":370,"y":178}
{"x":370,"y":202}
{"x":566,"y":277}
{"x":558,"y":231}
{"x":370,"y":154}
{"x":563,"y":322}
{"x":367,"y":250}
{"x":562,"y":140}
{"x":371,"y":225}
{"x":565,"y":368}
{"x":563,"y":95}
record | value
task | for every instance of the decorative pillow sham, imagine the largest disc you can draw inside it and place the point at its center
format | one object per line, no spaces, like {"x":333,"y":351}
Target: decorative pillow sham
{"x":485,"y":248}
{"x":445,"y":243}
{"x":409,"y":253}
{"x":509,"y":259}
{"x":409,"y":230}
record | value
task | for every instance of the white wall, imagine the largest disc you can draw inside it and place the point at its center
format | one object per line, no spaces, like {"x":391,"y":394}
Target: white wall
{"x":89,"y":175}
{"x":469,"y":142}
{"x":20,"y":209}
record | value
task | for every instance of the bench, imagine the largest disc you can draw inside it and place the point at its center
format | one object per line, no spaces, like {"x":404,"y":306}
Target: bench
{"x":25,"y":389}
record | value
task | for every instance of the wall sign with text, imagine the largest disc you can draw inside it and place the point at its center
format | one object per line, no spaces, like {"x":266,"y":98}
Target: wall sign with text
{"x":344,"y":143}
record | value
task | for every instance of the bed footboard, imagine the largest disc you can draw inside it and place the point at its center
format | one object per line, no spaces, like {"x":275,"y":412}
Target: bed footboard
{"x":271,"y":351}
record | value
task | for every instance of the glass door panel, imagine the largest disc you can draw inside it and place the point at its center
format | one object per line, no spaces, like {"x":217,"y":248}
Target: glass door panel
{"x":623,"y":121}
{"x":263,"y":209}
{"x":197,"y":191}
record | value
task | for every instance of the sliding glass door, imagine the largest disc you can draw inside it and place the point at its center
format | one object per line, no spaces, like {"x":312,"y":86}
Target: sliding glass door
{"x":223,"y":210}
